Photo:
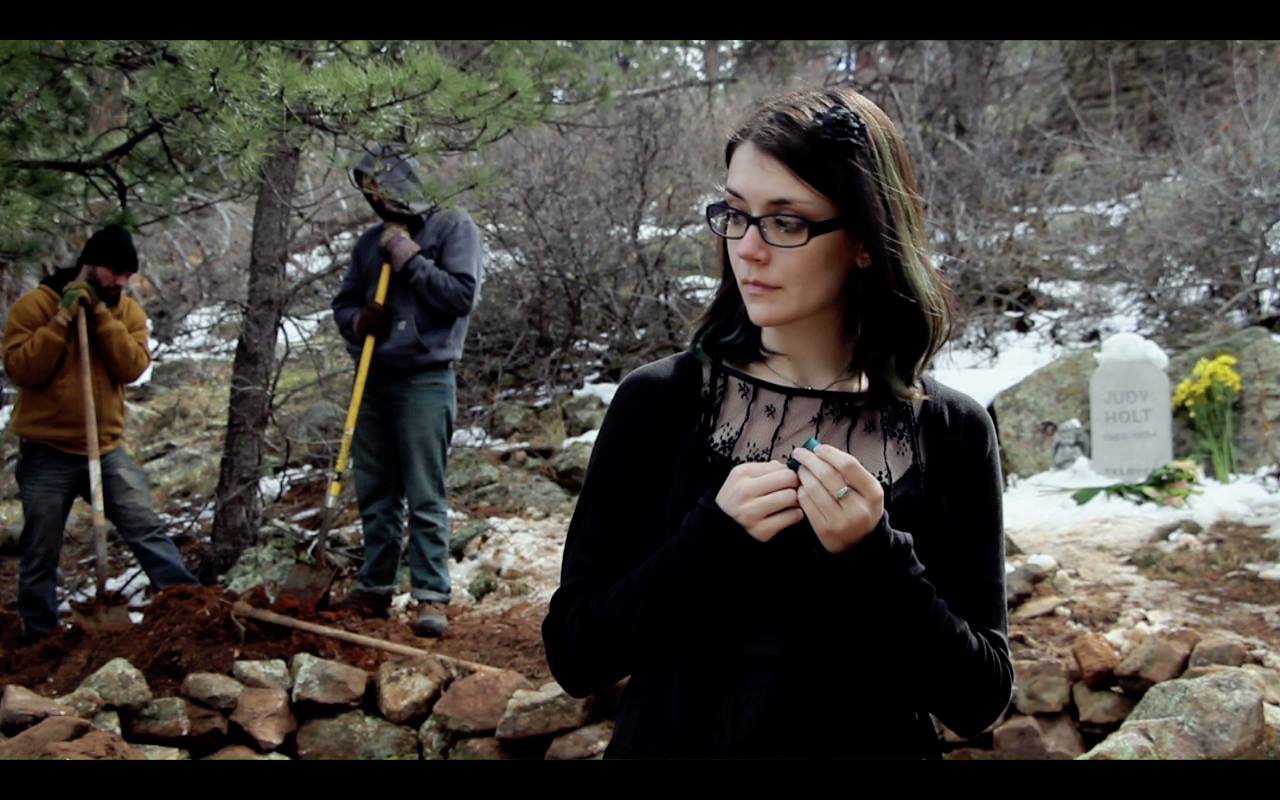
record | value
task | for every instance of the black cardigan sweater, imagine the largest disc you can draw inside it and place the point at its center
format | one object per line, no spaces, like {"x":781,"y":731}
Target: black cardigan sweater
{"x":660,"y":585}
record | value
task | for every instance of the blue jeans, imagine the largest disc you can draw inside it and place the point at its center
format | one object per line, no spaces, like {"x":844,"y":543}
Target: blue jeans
{"x":400,"y":452}
{"x":49,"y":481}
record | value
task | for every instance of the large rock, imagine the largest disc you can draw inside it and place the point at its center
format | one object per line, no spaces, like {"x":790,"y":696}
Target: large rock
{"x":1018,"y":588}
{"x":170,"y":718}
{"x":541,"y":712}
{"x":121,"y":685}
{"x":570,"y":465}
{"x":1041,"y":686}
{"x":1160,"y":657}
{"x":212,"y":689}
{"x":408,"y":689}
{"x":466,"y":533}
{"x":582,"y":413}
{"x":1038,"y":607}
{"x":1060,"y":391}
{"x":355,"y":735}
{"x":240,"y":752}
{"x":549,"y":430}
{"x":108,"y":721}
{"x":21,"y":708}
{"x":1218,"y":648}
{"x":1038,"y":737}
{"x":66,"y":738}
{"x":1269,"y":679}
{"x":1100,"y":708}
{"x":480,"y":748}
{"x":1028,"y":412}
{"x":158,"y":752}
{"x":469,"y":469}
{"x":265,"y":564}
{"x":325,"y":682}
{"x":316,"y":429}
{"x":1097,"y":659}
{"x":265,"y":715}
{"x":588,"y":742}
{"x":1257,"y":426}
{"x":1146,"y":740}
{"x":1271,"y":736}
{"x":475,"y":704}
{"x":435,"y":739}
{"x":270,"y":674}
{"x":182,"y":466}
{"x":509,"y":418}
{"x":84,"y":702}
{"x":162,"y":718}
{"x":1222,"y":711}
{"x":515,"y":497}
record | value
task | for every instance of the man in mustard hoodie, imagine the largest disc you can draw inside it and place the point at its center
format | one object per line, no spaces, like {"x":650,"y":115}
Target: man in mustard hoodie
{"x":42,"y":357}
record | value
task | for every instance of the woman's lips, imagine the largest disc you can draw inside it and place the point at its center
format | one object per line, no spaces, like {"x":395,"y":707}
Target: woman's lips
{"x":756,"y":287}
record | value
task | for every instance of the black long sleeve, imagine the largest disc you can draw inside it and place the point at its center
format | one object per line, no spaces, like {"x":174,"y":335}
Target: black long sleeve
{"x":953,"y":613}
{"x":617,"y":603}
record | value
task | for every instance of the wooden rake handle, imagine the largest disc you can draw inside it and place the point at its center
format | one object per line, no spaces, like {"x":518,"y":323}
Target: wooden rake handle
{"x":95,"y":461}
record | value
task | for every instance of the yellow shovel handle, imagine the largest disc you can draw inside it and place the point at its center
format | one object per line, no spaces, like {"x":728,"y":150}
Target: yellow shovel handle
{"x":353,"y":410}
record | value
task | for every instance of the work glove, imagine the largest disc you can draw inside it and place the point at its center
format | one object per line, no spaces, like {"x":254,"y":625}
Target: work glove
{"x":396,"y":245}
{"x":373,"y":319}
{"x":76,"y":294}
{"x":79,"y":292}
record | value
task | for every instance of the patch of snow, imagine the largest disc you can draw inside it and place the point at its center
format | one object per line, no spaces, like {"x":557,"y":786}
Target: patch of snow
{"x":983,"y":376}
{"x":589,"y":438}
{"x":1131,"y":347}
{"x":1043,"y":561}
{"x":470,"y":437}
{"x":271,"y":486}
{"x":525,"y":554}
{"x":604,"y":391}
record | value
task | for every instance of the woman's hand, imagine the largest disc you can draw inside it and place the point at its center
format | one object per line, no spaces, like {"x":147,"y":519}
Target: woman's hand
{"x":842,"y":501}
{"x":761,"y":497}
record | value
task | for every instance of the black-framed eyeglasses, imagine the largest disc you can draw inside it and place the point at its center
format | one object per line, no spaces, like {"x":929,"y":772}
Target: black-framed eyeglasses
{"x":779,"y":230}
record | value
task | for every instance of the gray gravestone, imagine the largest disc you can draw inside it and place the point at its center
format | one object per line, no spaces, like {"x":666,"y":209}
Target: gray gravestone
{"x":1130,"y":416}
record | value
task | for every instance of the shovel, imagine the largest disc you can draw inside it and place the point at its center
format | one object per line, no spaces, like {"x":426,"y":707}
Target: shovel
{"x":100,"y":617}
{"x":306,"y":585}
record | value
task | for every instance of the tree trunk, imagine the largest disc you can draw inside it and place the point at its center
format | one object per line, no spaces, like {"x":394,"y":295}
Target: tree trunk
{"x":235,"y":523}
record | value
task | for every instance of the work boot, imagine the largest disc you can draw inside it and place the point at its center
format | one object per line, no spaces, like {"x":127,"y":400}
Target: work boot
{"x":366,"y":604}
{"x":431,"y":620}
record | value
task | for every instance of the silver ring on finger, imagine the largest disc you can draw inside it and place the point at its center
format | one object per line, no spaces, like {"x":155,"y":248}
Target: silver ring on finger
{"x":841,"y":492}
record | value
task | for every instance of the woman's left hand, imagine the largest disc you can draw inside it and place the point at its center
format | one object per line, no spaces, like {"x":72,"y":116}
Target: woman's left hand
{"x":829,"y":473}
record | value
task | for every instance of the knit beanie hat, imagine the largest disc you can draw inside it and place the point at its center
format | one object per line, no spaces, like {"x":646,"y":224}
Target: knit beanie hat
{"x":111,"y":247}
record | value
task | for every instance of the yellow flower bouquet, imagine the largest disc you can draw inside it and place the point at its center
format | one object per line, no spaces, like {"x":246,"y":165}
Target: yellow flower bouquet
{"x":1207,"y":397}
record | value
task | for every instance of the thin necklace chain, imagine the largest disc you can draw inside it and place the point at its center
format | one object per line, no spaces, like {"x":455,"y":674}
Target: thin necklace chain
{"x":842,"y":376}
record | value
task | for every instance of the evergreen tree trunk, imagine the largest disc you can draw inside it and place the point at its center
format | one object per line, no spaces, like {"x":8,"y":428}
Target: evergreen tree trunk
{"x":236,"y":520}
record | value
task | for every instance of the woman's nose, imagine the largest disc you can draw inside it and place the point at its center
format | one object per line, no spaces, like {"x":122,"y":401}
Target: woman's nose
{"x":752,"y":245}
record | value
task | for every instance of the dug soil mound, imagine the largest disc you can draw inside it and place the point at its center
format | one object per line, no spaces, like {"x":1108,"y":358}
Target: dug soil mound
{"x":192,"y":629}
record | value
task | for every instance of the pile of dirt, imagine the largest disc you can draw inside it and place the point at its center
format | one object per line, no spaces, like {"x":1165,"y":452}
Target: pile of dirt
{"x":192,"y":629}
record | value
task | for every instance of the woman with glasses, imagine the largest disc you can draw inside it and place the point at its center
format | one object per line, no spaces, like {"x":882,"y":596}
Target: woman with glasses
{"x":789,"y":540}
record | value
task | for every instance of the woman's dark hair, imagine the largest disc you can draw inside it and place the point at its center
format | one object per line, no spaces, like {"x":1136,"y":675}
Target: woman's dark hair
{"x":899,"y":307}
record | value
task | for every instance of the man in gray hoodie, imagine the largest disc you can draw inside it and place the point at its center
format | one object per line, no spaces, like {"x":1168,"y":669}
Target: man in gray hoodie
{"x":401,"y":441}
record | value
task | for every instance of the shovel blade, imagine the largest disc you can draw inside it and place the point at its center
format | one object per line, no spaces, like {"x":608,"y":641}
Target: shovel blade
{"x":306,"y":585}
{"x":97,"y":618}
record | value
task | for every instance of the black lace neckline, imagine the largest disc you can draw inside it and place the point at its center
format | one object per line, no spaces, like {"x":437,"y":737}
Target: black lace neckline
{"x":780,"y":388}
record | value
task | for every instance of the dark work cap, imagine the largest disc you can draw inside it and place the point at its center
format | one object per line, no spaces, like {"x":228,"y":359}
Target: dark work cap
{"x":111,"y":247}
